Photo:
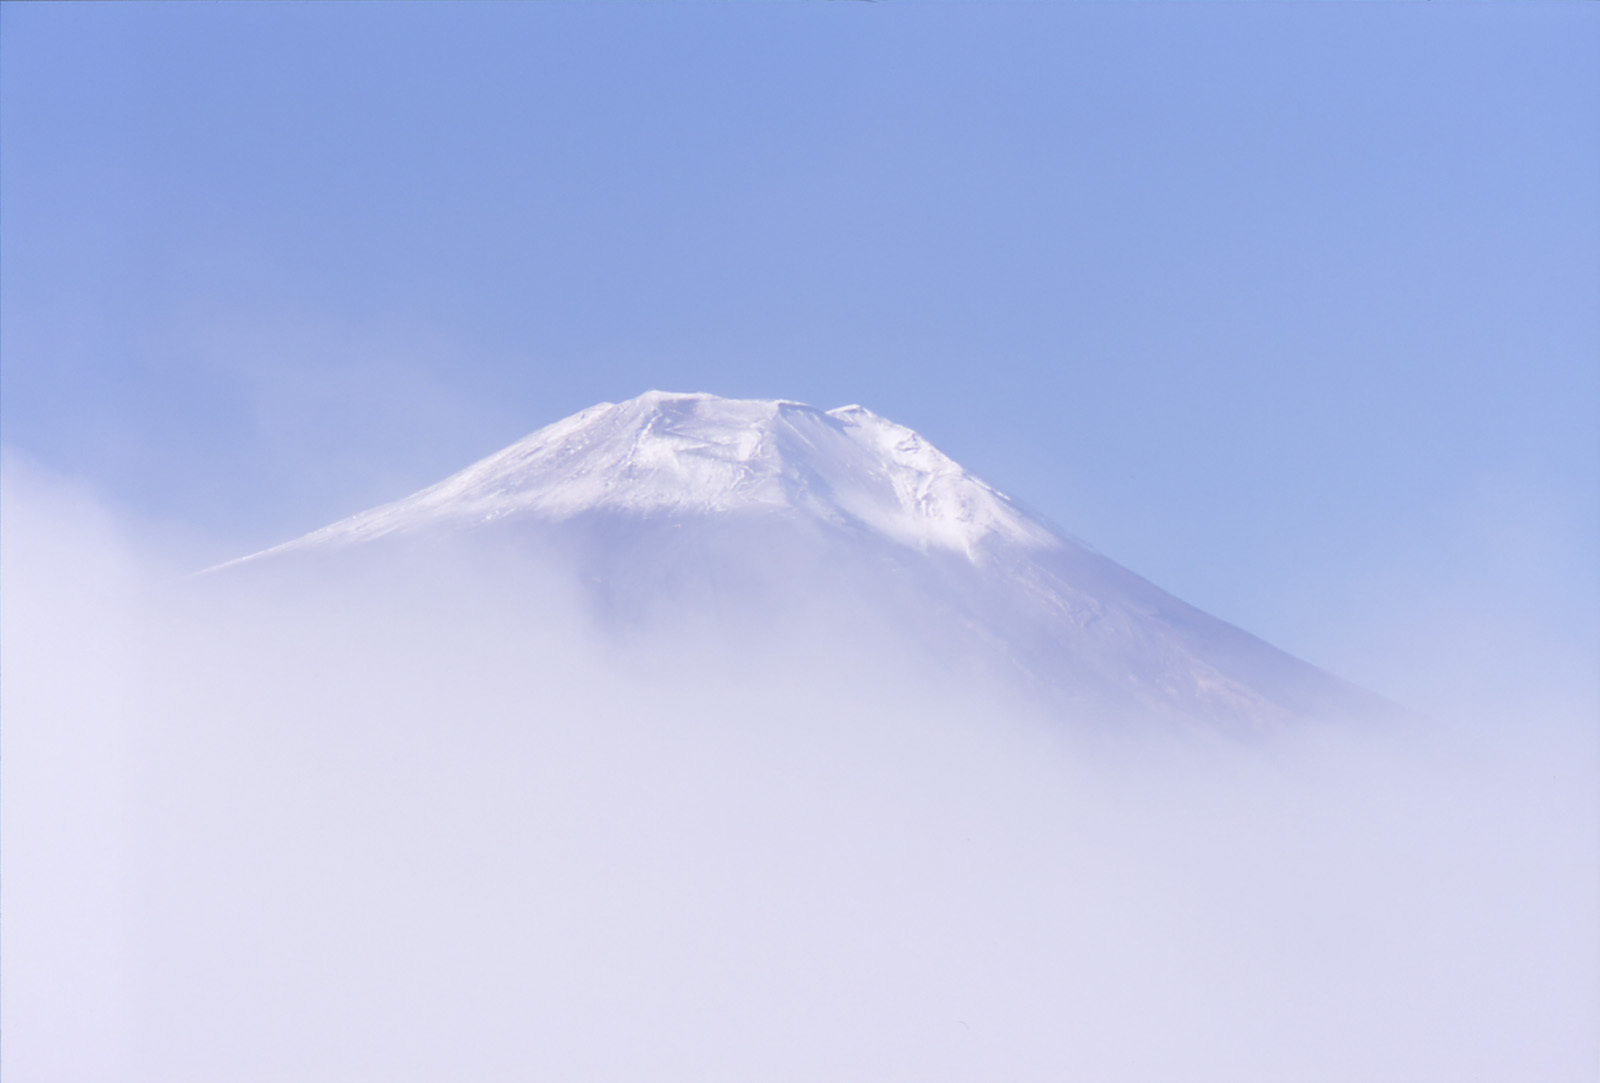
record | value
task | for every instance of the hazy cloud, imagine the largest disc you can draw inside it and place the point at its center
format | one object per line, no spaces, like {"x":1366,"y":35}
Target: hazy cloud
{"x":452,"y":829}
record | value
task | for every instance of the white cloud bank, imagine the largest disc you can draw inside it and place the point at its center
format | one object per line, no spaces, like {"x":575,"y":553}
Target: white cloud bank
{"x":451,"y":834}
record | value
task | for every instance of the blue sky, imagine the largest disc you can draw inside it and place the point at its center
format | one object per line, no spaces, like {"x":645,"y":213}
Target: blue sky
{"x":1294,"y":309}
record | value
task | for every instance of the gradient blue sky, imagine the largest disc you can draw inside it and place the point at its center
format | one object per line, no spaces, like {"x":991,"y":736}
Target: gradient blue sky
{"x":1294,"y":309}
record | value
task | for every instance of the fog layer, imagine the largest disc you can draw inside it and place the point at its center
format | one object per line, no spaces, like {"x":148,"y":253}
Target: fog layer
{"x":444,"y":826}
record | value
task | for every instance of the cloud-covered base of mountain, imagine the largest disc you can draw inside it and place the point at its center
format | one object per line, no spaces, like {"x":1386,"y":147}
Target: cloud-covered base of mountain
{"x":451,"y":831}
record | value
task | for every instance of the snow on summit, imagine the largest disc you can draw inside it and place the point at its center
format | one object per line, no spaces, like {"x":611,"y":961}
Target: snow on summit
{"x":699,"y":453}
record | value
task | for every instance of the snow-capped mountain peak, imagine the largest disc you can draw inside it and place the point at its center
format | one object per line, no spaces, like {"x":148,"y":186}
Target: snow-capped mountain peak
{"x":666,"y":452}
{"x":670,"y":502}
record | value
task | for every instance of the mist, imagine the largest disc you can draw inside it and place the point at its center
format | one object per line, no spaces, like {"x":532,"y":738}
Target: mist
{"x":446,"y":825}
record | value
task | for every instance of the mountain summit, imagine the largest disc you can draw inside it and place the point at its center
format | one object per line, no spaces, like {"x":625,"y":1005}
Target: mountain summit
{"x":667,"y":453}
{"x":745,"y":508}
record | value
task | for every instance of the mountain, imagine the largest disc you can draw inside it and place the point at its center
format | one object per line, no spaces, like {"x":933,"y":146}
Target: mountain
{"x":741,"y":512}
